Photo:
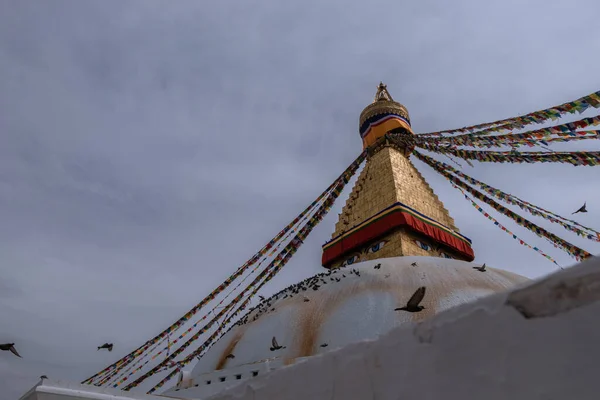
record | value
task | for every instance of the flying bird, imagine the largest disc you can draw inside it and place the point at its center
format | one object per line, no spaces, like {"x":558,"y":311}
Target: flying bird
{"x":262,"y":298}
{"x":413,"y":303}
{"x":230,"y":356}
{"x":10,"y":347}
{"x":582,"y":209}
{"x":43,"y":377}
{"x":414,"y":264}
{"x":306,"y":299}
{"x":481,"y":269}
{"x":377,"y":266}
{"x":108,"y":346}
{"x":324,"y":345}
{"x":275,"y":345}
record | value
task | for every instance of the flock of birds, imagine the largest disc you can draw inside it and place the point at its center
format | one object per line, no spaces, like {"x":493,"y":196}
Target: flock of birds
{"x":11,"y":347}
{"x":413,"y":305}
{"x":313,"y":283}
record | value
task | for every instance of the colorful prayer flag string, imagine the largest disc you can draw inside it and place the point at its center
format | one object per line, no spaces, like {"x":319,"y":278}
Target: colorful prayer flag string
{"x":440,"y":167}
{"x":116,"y":379}
{"x":281,"y":262}
{"x":597,"y":238}
{"x":202,"y":330}
{"x":515,"y":140}
{"x":534,"y":210}
{"x":502,"y":227}
{"x":124,"y":377}
{"x":581,"y":158}
{"x":580,"y":105}
{"x":273,"y":268}
{"x":301,"y":236}
{"x":567,"y":131}
{"x":498,"y":141}
{"x":128,"y":358}
{"x":277,"y":265}
{"x":164,"y":363}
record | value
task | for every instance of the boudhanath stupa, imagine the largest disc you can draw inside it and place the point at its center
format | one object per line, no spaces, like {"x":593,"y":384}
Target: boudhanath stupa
{"x":401,"y":309}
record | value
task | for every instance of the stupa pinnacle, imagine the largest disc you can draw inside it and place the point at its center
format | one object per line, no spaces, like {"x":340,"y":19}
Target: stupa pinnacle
{"x":382,"y":116}
{"x":392,"y":211}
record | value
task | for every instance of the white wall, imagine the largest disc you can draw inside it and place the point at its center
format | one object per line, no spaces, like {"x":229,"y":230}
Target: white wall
{"x":484,"y":350}
{"x":205,"y":385}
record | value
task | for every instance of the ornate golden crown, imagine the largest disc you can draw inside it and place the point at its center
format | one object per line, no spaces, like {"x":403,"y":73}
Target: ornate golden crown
{"x":383,"y":103}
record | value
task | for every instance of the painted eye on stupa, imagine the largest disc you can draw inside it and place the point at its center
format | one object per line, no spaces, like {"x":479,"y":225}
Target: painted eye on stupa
{"x":350,"y":261}
{"x":422,"y":245}
{"x":446,"y":255}
{"x":376,"y":247}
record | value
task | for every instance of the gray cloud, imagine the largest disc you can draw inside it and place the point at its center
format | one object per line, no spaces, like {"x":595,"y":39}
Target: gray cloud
{"x":150,"y":149}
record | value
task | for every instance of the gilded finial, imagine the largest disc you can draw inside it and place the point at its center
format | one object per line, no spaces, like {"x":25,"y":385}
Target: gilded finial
{"x":383,"y":105}
{"x":382,"y":93}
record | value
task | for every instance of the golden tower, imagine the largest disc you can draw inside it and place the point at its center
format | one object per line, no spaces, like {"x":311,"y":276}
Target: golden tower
{"x":392,"y":211}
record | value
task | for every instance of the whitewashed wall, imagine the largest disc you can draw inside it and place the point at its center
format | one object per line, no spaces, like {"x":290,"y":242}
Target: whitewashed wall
{"x":484,"y":350}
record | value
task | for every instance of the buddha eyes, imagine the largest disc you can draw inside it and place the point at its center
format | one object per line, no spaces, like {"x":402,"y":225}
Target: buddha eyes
{"x":351,"y":260}
{"x":422,"y":245}
{"x":371,"y":249}
{"x":376,"y":247}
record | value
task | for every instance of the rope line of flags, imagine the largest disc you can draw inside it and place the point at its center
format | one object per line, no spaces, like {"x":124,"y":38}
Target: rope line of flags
{"x":442,"y":168}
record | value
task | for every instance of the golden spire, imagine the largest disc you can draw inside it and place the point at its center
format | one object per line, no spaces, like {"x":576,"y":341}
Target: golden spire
{"x":382,"y":93}
{"x":392,"y":211}
{"x":381,"y":116}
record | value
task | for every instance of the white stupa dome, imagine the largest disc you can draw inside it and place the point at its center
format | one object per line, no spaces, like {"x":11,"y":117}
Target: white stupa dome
{"x":340,"y":307}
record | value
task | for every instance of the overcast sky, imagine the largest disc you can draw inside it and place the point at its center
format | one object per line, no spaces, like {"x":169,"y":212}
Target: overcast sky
{"x":148,"y":148}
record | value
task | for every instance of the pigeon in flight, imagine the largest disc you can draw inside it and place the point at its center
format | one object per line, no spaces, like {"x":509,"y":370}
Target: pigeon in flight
{"x":413,"y":303}
{"x":108,"y":346}
{"x":582,"y":209}
{"x":324,"y":345}
{"x":481,"y":269}
{"x":262,"y":298}
{"x":10,"y":347}
{"x":43,"y":377}
{"x":275,"y":345}
{"x":230,"y":356}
